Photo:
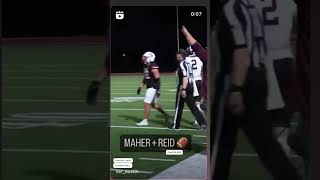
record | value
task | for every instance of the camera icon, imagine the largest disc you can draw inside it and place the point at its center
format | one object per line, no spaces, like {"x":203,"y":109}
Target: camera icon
{"x":119,"y":15}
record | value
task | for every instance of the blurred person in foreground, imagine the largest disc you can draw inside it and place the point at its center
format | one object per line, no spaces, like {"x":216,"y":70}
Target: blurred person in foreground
{"x":242,"y":83}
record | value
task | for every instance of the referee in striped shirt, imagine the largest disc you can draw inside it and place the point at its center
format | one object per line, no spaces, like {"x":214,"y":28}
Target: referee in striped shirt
{"x":185,"y":92}
{"x":242,"y":93}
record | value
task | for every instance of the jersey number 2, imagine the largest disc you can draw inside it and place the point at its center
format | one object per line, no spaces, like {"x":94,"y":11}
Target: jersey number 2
{"x":269,"y":10}
{"x":194,"y":64}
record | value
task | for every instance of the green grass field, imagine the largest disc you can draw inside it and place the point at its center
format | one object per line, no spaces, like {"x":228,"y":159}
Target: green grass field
{"x":127,"y":110}
{"x":49,"y":133}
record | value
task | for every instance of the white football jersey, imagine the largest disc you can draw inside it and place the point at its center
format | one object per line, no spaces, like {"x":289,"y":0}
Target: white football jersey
{"x":278,"y":18}
{"x":246,"y":27}
{"x":197,"y":66}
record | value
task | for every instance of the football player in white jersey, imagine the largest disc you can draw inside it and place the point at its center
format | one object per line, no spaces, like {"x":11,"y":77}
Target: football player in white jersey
{"x":197,"y":70}
{"x":243,"y":67}
{"x":197,"y":67}
{"x":278,"y":17}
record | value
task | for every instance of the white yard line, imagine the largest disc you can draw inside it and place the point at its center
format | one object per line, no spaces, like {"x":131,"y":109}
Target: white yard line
{"x":53,"y":120}
{"x":49,"y":65}
{"x":48,"y":71}
{"x":154,"y":159}
{"x":25,"y":125}
{"x":48,"y":87}
{"x":70,"y":117}
{"x":152,"y":128}
{"x":72,"y":87}
{"x":87,"y":118}
{"x":47,"y":100}
{"x":124,"y":109}
{"x":119,"y":87}
{"x":135,"y":86}
{"x":46,"y":78}
{"x":134,"y":93}
{"x":56,"y":151}
{"x":202,"y":143}
{"x":66,"y":113}
{"x":199,"y":136}
{"x":134,"y":89}
{"x":64,"y":100}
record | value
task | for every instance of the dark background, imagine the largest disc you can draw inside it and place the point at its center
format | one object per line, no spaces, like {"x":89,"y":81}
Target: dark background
{"x":34,"y":18}
{"x":152,"y":29}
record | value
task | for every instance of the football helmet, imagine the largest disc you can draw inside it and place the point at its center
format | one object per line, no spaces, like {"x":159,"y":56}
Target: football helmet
{"x":148,"y":57}
{"x":190,"y":51}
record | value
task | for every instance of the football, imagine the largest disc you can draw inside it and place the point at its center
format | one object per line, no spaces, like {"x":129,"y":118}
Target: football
{"x":182,"y":142}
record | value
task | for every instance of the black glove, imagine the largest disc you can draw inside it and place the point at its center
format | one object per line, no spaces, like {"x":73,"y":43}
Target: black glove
{"x":158,"y":93}
{"x":139,"y":90}
{"x":92,"y":92}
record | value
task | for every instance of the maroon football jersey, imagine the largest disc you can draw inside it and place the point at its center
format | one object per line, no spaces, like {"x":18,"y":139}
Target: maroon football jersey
{"x":149,"y":78}
{"x":202,"y":54}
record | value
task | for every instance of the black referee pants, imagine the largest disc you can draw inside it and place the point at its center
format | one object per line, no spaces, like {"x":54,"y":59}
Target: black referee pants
{"x":190,"y":101}
{"x":258,"y":130}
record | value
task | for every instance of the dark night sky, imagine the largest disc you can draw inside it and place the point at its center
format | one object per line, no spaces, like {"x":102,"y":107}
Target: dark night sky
{"x":144,"y":29}
{"x":54,"y":17}
{"x":60,"y":17}
{"x":151,"y":29}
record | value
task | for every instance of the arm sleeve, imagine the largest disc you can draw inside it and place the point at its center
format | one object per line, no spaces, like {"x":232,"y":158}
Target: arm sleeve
{"x":234,"y":14}
{"x":156,"y":81}
{"x":157,"y":84}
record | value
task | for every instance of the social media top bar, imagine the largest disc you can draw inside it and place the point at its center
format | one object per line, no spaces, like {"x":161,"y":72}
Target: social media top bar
{"x":160,"y":3}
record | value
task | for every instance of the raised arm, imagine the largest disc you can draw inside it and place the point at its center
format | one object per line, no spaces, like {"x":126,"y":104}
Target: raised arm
{"x":197,"y":48}
{"x":190,"y":39}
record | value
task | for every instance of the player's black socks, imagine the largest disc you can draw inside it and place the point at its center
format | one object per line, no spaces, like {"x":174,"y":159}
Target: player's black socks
{"x":162,"y":111}
{"x":166,"y":116}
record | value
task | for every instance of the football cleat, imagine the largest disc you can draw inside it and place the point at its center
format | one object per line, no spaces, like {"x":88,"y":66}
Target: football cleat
{"x":196,"y":123}
{"x":143,"y":123}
